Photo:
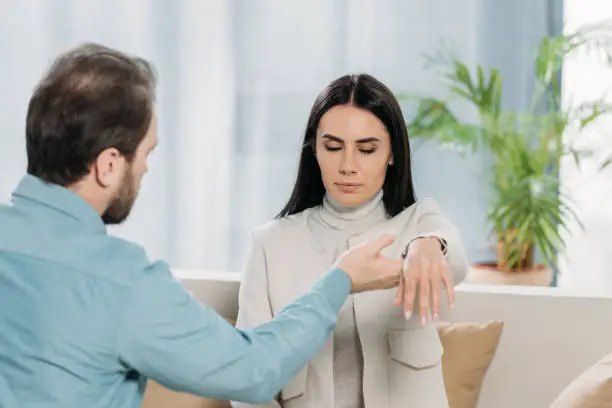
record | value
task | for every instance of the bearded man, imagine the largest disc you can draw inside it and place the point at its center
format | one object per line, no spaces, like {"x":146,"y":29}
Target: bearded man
{"x":87,"y":318}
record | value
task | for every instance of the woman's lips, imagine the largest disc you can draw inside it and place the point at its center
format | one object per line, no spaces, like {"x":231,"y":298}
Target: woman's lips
{"x":348,"y":188}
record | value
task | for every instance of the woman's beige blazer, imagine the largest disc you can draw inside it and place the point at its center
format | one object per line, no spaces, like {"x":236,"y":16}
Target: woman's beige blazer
{"x":402,"y":358}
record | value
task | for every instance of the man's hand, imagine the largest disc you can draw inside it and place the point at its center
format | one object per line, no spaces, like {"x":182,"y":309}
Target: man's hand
{"x":425,"y":270}
{"x":368,"y":269}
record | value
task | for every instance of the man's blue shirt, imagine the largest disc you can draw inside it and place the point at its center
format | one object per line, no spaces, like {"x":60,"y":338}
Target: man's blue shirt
{"x":86,"y":318}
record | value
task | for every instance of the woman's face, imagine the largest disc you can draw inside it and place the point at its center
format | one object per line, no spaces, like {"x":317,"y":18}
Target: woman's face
{"x":353,"y":151}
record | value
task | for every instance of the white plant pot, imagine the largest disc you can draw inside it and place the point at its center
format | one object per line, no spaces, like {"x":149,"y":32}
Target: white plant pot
{"x":489,"y":275}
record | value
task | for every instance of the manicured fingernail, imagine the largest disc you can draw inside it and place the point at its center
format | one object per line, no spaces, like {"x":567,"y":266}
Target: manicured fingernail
{"x":436,"y":317}
{"x":407,"y":314}
{"x":423,"y":320}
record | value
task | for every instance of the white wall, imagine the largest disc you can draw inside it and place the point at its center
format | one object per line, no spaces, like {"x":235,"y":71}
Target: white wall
{"x":588,"y":258}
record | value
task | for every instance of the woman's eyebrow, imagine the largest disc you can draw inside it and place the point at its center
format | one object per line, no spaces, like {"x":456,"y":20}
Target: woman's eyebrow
{"x":368,"y":140}
{"x":332,"y":138}
{"x":339,"y":140}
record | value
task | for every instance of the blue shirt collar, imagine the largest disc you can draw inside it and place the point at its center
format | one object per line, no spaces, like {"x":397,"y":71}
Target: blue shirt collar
{"x":61,"y":199}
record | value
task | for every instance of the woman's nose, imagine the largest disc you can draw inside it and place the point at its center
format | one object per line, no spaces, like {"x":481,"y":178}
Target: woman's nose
{"x":348,"y":165}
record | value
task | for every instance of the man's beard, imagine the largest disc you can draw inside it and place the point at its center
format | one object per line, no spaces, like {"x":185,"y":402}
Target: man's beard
{"x":119,"y":209}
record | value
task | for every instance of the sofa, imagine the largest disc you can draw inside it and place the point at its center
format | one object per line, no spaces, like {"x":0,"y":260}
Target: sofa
{"x":549,"y":337}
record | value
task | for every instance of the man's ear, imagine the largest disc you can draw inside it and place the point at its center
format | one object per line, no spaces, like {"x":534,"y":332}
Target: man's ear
{"x":108,"y":167}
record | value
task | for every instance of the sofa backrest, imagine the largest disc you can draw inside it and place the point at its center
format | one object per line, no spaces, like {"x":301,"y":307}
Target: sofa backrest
{"x":550,"y":334}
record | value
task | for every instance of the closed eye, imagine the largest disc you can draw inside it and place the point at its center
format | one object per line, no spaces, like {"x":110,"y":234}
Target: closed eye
{"x":332,"y":148}
{"x":338,"y":148}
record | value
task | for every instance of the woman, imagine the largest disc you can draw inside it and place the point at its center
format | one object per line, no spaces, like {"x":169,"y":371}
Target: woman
{"x":354,"y":182}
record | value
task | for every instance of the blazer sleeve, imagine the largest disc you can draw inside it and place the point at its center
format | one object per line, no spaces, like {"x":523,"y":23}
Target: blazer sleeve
{"x":254,"y":306}
{"x":432,"y":222}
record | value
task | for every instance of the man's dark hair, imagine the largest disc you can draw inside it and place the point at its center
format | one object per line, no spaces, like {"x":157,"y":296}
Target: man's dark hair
{"x":91,"y":99}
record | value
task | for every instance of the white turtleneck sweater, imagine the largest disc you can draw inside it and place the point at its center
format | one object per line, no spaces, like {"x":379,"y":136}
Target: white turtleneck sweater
{"x":333,"y":225}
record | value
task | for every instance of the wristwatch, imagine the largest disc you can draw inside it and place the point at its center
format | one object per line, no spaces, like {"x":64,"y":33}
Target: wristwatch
{"x":442,"y":241}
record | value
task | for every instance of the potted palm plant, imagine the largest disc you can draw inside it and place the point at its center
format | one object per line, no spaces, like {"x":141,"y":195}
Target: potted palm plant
{"x":528,"y":208}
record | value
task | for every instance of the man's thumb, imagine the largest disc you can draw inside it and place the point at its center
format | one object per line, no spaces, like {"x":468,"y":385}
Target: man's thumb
{"x":381,"y":242}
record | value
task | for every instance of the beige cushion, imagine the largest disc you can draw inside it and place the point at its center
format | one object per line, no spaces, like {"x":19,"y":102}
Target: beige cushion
{"x":157,"y":396}
{"x":468,"y":351}
{"x":591,"y":389}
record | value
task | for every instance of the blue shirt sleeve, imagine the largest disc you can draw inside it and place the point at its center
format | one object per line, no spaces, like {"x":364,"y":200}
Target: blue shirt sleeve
{"x":168,"y":336}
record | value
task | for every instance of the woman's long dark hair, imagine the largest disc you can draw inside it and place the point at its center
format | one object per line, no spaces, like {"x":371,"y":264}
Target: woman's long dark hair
{"x":365,"y":92}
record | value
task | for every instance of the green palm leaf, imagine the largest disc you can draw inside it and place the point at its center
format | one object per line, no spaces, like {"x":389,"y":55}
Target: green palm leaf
{"x":528,"y":208}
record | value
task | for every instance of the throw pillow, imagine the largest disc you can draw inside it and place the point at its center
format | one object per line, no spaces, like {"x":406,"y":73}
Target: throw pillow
{"x":591,"y":389}
{"x":468,"y":351}
{"x":157,"y":396}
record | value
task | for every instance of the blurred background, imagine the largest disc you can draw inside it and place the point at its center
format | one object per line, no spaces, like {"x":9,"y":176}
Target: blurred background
{"x":236,"y":82}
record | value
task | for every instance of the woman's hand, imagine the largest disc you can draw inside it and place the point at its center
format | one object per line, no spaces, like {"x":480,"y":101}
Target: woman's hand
{"x":425,"y":269}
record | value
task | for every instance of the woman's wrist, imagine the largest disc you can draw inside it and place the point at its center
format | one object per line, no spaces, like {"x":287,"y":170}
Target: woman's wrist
{"x":441,"y":241}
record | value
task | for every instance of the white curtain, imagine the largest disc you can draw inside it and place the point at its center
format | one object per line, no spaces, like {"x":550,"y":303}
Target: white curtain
{"x":237,"y":79}
{"x":588,"y":258}
{"x":182,"y":212}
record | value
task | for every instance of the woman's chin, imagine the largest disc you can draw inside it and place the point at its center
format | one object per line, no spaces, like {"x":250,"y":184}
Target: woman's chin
{"x":349,"y":199}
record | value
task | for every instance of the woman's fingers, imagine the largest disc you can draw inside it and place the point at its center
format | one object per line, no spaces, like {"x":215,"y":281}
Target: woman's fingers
{"x":436,"y":290}
{"x":410,"y":284}
{"x":399,"y":297}
{"x":447,"y":279}
{"x":427,"y":278}
{"x":424,"y":297}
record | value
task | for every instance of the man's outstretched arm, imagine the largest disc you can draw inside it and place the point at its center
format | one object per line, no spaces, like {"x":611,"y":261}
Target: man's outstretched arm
{"x":171,"y":338}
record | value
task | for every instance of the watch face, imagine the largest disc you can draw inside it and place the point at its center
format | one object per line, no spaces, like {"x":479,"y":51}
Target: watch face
{"x":443,"y":245}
